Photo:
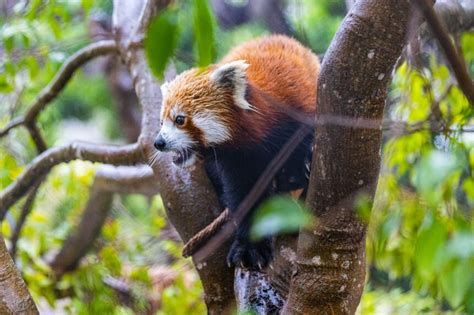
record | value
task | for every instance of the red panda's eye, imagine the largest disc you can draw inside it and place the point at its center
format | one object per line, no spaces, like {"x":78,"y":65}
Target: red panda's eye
{"x":179,"y":119}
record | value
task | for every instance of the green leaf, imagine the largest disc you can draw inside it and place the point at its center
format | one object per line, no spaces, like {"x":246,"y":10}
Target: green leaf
{"x":161,"y":40}
{"x":5,"y":86}
{"x":432,"y":170}
{"x":9,"y":43}
{"x":204,"y":32}
{"x":430,"y":240}
{"x":279,"y":215}
{"x":87,"y":5}
{"x":455,"y":283}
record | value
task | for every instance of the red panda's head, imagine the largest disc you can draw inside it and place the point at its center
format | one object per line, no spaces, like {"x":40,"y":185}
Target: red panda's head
{"x":200,"y":109}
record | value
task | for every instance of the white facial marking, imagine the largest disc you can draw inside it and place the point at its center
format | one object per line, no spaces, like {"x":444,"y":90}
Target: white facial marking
{"x":176,"y":139}
{"x":213,"y":129}
{"x":235,"y":73}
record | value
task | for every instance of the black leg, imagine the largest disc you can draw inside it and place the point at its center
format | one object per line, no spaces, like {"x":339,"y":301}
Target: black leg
{"x":248,"y":254}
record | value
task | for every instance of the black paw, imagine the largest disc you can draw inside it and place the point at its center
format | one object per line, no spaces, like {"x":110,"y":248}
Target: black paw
{"x":250,"y":255}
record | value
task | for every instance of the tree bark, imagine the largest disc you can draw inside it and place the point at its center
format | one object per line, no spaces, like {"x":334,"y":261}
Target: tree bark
{"x":353,"y":83}
{"x":188,"y":195}
{"x":14,"y":296}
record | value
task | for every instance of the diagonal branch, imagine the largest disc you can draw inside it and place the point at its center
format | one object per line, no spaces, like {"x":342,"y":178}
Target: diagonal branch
{"x":36,"y":136}
{"x":457,"y":63}
{"x":108,"y":181}
{"x":60,"y":80}
{"x":25,"y":211}
{"x":42,"y":164}
{"x":81,"y":239}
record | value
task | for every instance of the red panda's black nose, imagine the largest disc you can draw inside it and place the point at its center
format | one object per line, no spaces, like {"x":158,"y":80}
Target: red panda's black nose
{"x":160,"y":143}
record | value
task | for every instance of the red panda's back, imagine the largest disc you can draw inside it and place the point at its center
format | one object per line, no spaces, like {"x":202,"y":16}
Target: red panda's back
{"x":281,"y":67}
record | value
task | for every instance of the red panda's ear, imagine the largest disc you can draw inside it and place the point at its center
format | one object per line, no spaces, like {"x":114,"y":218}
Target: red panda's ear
{"x":232,"y":75}
{"x":164,"y":90}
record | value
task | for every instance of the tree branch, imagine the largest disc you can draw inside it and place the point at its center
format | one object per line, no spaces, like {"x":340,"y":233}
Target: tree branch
{"x":181,"y":191}
{"x":79,"y":242}
{"x":42,"y":164}
{"x":330,"y":260}
{"x":108,"y":181}
{"x":36,"y":136}
{"x":25,"y":211}
{"x":457,"y":63}
{"x":127,"y":179}
{"x":60,"y":80}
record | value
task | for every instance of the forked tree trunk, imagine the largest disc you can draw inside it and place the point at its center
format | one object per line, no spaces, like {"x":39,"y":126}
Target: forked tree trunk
{"x":353,"y":84}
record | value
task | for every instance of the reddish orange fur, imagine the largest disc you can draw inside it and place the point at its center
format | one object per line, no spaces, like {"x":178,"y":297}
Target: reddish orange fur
{"x":281,"y":73}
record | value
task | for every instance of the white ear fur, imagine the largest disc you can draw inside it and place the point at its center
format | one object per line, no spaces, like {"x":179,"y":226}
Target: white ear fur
{"x":164,"y":90}
{"x":233,"y":75}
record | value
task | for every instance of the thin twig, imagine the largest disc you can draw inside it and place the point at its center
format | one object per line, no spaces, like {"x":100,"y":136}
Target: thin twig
{"x":25,"y":211}
{"x":36,"y":136}
{"x":60,"y":80}
{"x":15,"y":122}
{"x":457,"y":63}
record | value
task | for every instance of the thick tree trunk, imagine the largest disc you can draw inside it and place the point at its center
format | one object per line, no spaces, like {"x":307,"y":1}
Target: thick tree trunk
{"x":353,"y":84}
{"x":14,"y":296}
{"x":188,"y":195}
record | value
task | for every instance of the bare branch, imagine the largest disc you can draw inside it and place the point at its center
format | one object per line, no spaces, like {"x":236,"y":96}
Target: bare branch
{"x":36,"y":136}
{"x":42,"y":164}
{"x":127,"y":179}
{"x":25,"y":211}
{"x":78,"y":243}
{"x":15,"y":122}
{"x":65,"y":73}
{"x":60,"y":80}
{"x":457,"y":63}
{"x":108,"y":180}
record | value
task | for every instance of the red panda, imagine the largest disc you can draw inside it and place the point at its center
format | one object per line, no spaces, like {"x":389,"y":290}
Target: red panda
{"x":236,"y":115}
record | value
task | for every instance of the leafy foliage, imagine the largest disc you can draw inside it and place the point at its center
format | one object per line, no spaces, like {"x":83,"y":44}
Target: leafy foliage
{"x":161,"y":41}
{"x":163,"y":34}
{"x":421,"y":226}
